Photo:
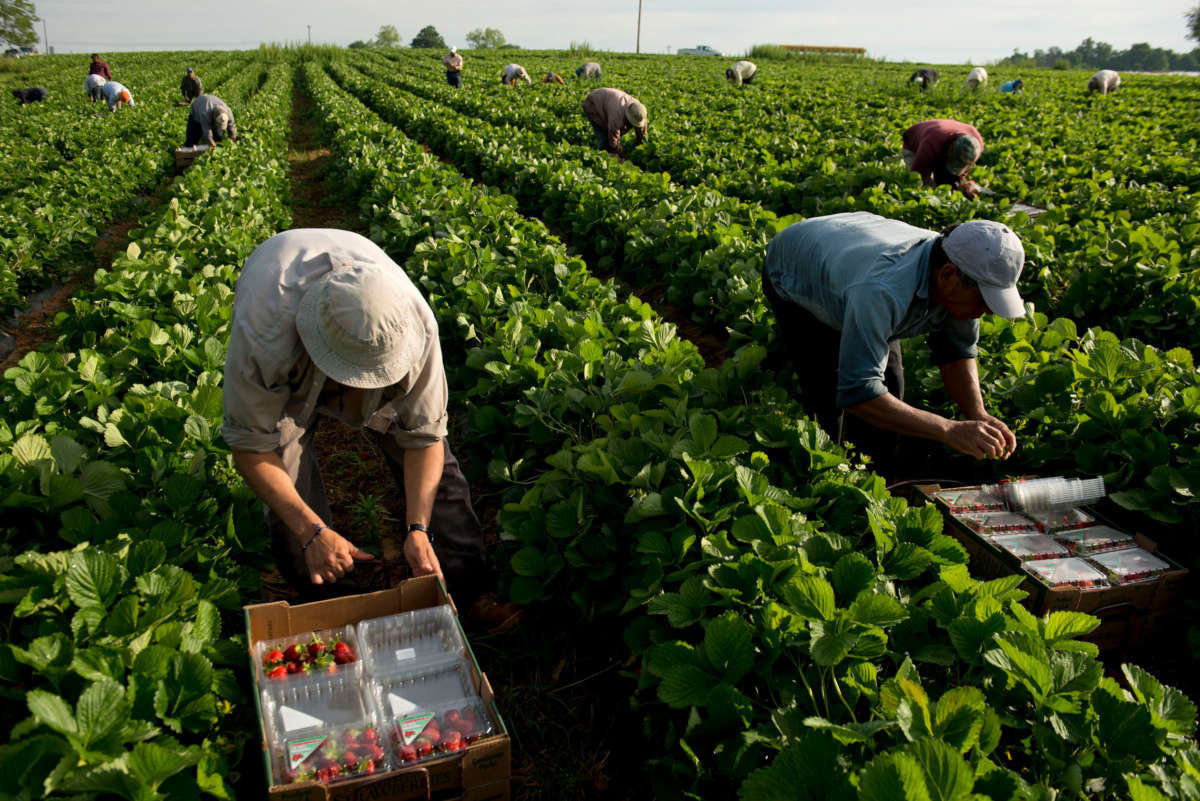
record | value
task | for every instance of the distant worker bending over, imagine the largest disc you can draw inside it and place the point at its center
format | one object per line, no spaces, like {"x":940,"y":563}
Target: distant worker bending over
{"x":554,"y":77}
{"x":513,"y":73}
{"x":847,"y":288}
{"x":190,"y":87}
{"x":453,"y":62}
{"x":613,"y":114}
{"x":741,"y":72}
{"x":209,"y":119}
{"x":925,"y":78}
{"x":590,"y":70}
{"x":977,"y":79}
{"x":1013,"y":87}
{"x":115,"y":94}
{"x":92,"y":84}
{"x":1104,"y":81}
{"x":942,"y":152}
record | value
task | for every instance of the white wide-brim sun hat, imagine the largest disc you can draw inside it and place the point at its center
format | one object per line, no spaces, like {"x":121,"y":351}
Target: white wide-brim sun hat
{"x":362,"y":326}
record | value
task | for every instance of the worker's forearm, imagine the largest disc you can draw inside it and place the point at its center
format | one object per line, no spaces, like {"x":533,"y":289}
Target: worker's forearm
{"x":892,"y":414}
{"x":266,"y":476}
{"x":961,"y":379}
{"x":422,"y":475}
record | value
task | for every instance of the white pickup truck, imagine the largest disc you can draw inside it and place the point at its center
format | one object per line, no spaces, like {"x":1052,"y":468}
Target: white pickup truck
{"x":698,"y":50}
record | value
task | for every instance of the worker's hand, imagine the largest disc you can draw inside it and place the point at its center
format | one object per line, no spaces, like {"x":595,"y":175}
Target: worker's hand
{"x":331,"y":556}
{"x":970,"y":189}
{"x":419,"y":553}
{"x":986,"y":438}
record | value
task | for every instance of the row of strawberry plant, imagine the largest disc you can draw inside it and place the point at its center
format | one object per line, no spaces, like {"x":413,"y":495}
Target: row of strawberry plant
{"x":1114,"y":251}
{"x":129,"y":540}
{"x":772,"y":624}
{"x":47,"y":224}
{"x":709,"y":259}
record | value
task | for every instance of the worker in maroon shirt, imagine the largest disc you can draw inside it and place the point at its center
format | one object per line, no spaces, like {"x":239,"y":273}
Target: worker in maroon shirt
{"x":943,"y":152}
{"x":100,"y":68}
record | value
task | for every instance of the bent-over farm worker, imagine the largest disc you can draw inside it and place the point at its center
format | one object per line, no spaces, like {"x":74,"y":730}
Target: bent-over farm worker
{"x":1104,"y":81}
{"x":34,"y":94}
{"x":326,"y":326}
{"x":942,"y":152}
{"x":92,"y":84}
{"x":115,"y":94}
{"x":98,"y":67}
{"x":513,"y":73}
{"x":741,"y":72}
{"x":1015,"y":86}
{"x":190,"y":87}
{"x":209,"y":119}
{"x":977,"y":78}
{"x":453,"y":61}
{"x":553,"y":77}
{"x":613,"y":114}
{"x":925,"y":78}
{"x":847,"y":288}
{"x":589,"y":69}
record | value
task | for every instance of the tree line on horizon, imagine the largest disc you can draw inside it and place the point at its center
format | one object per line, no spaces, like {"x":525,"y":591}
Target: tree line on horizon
{"x":1091,"y":54}
{"x":478,"y":39}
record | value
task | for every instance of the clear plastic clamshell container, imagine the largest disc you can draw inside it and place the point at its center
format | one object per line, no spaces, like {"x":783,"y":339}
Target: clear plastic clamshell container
{"x":970,"y":500}
{"x":989,"y":524}
{"x":313,"y":653}
{"x":411,"y":641}
{"x":432,"y":713}
{"x":324,"y":729}
{"x":1130,"y":565}
{"x":1096,"y":539}
{"x":1027,"y":547}
{"x":1055,"y":520}
{"x":1072,"y":572}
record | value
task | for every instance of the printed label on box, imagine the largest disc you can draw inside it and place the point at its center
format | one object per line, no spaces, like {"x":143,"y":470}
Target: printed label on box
{"x":405,"y":653}
{"x":411,"y":727}
{"x":302,"y":750}
{"x":294,"y":719}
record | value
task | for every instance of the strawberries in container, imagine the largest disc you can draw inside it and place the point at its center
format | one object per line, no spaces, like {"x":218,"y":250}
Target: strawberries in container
{"x":1027,"y":547}
{"x":310,"y":654}
{"x":1070,"y":572}
{"x":1093,"y":540}
{"x":1056,"y":520}
{"x":990,"y":524}
{"x":439,"y":731}
{"x":1130,"y":565}
{"x":970,"y":500}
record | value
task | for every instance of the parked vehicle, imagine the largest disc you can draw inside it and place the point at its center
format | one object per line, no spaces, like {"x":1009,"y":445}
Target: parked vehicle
{"x":698,"y":50}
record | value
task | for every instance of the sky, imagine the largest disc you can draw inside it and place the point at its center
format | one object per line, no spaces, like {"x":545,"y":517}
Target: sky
{"x":940,"y":33}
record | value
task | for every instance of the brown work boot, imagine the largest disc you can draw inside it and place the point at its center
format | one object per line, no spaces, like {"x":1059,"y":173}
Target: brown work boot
{"x":492,"y":613}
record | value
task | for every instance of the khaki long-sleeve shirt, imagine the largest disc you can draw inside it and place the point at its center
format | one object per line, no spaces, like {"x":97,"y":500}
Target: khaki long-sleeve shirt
{"x":606,"y":108}
{"x":453,"y":62}
{"x":272,"y":389}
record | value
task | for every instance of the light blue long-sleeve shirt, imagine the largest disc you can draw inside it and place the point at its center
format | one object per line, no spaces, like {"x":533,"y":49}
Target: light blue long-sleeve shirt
{"x":868,"y":277}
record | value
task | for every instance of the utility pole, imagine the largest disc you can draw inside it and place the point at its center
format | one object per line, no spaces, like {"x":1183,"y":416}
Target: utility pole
{"x":639,"y":33}
{"x":45,"y":38}
{"x":309,"y":33}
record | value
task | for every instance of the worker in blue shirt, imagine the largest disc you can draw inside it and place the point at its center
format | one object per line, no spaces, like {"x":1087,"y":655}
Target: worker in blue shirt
{"x":1016,"y":86}
{"x":846,"y":288}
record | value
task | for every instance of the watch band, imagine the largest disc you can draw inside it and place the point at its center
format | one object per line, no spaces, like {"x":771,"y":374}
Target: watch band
{"x":419,"y":527}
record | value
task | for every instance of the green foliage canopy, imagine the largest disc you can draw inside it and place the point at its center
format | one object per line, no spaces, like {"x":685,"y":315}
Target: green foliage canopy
{"x":16,"y":23}
{"x":388,"y":36}
{"x":486,"y":39}
{"x":428,"y":37}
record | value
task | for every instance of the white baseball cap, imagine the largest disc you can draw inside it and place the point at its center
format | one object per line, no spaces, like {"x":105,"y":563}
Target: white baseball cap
{"x":991,"y":254}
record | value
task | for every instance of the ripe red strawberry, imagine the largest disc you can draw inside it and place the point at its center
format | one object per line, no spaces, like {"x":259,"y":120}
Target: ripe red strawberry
{"x":364,"y":454}
{"x":366,"y":766}
{"x":294,"y":652}
{"x":453,"y":717}
{"x":349,"y":759}
{"x":277,"y":672}
{"x":423,"y":746}
{"x":322,"y":775}
{"x":406,"y":753}
{"x":343,"y":654}
{"x":370,"y":736}
{"x":452,"y":740}
{"x":334,"y":769}
{"x":295,"y":667}
{"x":316,"y":646}
{"x":371,"y":752}
{"x":274,"y":656}
{"x":432,"y":734}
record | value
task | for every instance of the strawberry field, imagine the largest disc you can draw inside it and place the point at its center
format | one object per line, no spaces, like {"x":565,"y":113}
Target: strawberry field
{"x":742,"y":606}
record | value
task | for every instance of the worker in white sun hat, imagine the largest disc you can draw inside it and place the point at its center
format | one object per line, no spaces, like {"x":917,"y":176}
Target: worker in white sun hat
{"x":846,"y":289}
{"x":613,"y":114}
{"x":92,"y":85}
{"x":1104,"y":82}
{"x":453,"y":61}
{"x":325,"y":326}
{"x":209,"y":120}
{"x":741,"y":72}
{"x":977,"y":79}
{"x":513,"y":73}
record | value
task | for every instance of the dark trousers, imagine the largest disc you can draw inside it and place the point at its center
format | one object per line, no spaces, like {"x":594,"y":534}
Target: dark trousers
{"x":454,"y":78}
{"x":458,"y":535}
{"x":601,"y":136}
{"x":193,"y":133}
{"x":813,"y":348}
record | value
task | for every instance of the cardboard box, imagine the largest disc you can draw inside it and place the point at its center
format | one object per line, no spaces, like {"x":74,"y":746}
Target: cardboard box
{"x":1129,"y":613}
{"x":480,"y":772}
{"x":184,"y":156}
